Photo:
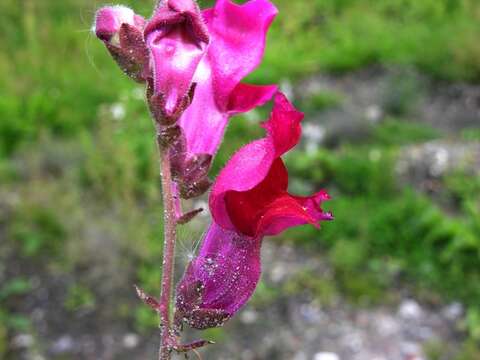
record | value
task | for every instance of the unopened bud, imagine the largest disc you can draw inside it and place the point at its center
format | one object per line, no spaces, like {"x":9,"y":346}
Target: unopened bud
{"x":122,"y":32}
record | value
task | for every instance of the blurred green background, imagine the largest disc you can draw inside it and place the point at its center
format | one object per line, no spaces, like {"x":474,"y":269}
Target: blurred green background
{"x":390,"y":89}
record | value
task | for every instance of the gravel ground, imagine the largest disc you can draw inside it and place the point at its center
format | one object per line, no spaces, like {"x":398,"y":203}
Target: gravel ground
{"x":297,"y":327}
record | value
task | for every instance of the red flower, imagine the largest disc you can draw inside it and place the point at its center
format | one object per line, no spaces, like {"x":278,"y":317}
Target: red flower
{"x":248,"y":201}
{"x":250,"y":195}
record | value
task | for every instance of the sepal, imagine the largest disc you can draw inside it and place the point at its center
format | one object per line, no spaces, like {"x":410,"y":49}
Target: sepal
{"x":196,"y":168}
{"x":188,"y":311}
{"x":193,"y":189}
{"x":184,"y":348}
{"x":131,"y":53}
{"x":178,"y":154}
{"x":148,"y":300}
{"x":157,"y":105}
{"x":202,"y":319}
{"x":168,"y":135}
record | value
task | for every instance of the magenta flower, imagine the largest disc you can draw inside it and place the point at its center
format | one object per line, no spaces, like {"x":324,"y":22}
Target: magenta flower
{"x":249,"y":200}
{"x":165,"y":51}
{"x":193,"y":63}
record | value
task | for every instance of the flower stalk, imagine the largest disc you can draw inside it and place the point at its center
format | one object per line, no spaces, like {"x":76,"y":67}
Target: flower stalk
{"x":170,"y":233}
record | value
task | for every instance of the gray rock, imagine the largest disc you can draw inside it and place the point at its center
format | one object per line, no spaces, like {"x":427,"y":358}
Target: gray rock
{"x":410,"y":310}
{"x":23,"y":341}
{"x":326,"y":356}
{"x":130,"y":341}
{"x":63,"y":345}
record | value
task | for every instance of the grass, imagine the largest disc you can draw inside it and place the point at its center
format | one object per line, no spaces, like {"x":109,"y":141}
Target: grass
{"x":56,"y":75}
{"x":437,"y":36}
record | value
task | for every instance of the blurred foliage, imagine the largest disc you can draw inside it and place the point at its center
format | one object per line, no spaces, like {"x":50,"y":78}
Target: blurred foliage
{"x":435,"y":35}
{"x":402,"y":93}
{"x":56,"y":74}
{"x":323,"y":100}
{"x":471,"y":134}
{"x":11,"y":291}
{"x":78,"y":166}
{"x":401,"y":132}
{"x":37,"y":232}
{"x":384,"y":231}
{"x":79,"y":297}
{"x":322,"y":288}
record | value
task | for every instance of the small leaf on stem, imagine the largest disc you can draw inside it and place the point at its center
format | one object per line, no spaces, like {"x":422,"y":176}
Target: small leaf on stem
{"x":148,"y":300}
{"x":187,"y":217}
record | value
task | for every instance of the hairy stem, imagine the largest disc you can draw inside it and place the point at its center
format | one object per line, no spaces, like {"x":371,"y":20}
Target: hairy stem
{"x":168,"y":255}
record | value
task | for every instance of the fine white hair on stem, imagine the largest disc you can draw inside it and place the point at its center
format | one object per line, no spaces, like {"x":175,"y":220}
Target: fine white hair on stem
{"x":87,"y":19}
{"x":189,"y":251}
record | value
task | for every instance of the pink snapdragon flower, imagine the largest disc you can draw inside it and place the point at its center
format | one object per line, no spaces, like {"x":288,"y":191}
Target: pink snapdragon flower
{"x":215,"y":49}
{"x":249,"y":200}
{"x":193,"y":63}
{"x":164,"y":51}
{"x":238,"y":34}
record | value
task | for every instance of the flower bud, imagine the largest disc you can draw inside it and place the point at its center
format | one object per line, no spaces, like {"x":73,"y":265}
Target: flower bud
{"x":109,"y":19}
{"x":122,"y":32}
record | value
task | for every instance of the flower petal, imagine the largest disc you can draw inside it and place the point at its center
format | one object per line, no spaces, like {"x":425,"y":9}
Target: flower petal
{"x":268,"y":208}
{"x":250,"y":194}
{"x":251,"y":164}
{"x":246,"y":97}
{"x":225,"y":273}
{"x":237,"y":42}
{"x":238,"y":35}
{"x":203,"y":123}
{"x":245,"y":208}
{"x":284,"y":128}
{"x":174,"y":11}
{"x":175,"y":57}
